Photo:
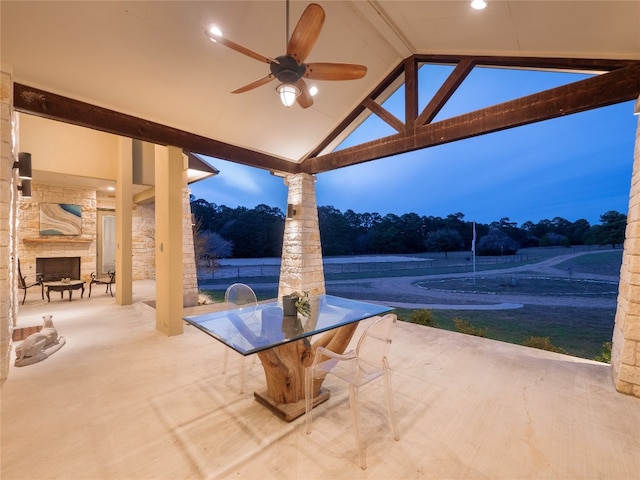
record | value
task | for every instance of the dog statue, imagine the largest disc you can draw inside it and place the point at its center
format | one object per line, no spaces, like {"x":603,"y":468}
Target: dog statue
{"x":38,"y":346}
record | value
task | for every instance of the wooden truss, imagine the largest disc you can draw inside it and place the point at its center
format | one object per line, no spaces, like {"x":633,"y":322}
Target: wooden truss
{"x":620,"y":82}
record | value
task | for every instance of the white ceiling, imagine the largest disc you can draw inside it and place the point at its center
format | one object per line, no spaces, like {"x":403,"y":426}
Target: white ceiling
{"x":152,"y":60}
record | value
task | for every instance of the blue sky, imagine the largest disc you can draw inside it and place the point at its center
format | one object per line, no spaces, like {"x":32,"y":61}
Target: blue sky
{"x":574,"y":167}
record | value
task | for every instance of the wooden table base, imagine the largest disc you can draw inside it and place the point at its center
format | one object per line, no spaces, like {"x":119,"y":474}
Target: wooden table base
{"x":290,"y":411}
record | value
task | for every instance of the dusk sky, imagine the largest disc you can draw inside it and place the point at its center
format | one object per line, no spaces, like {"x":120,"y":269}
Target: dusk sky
{"x":572,"y":167}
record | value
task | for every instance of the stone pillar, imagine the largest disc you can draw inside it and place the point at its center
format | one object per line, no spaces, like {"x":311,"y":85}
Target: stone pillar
{"x":189,"y":253}
{"x":301,"y":267}
{"x":8,"y":302}
{"x":625,"y":352}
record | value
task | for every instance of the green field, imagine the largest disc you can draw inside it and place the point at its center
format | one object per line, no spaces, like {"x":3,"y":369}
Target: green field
{"x":577,"y":330}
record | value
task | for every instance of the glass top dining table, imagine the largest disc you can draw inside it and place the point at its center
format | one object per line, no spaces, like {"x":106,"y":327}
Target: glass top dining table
{"x":251,"y":329}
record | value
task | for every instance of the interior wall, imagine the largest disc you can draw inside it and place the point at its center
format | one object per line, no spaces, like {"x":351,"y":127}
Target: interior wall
{"x":64,"y":148}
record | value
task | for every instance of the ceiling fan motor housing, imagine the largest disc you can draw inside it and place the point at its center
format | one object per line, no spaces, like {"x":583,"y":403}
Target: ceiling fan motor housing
{"x":288,"y":70}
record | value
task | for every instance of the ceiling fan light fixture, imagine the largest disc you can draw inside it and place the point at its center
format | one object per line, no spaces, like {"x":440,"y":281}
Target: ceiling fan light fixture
{"x":288,"y":93}
{"x":478,"y":4}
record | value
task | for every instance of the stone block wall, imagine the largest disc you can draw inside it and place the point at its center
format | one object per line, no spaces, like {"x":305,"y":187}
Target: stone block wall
{"x":32,"y":245}
{"x":7,"y":230}
{"x":189,"y":272}
{"x":625,"y":353}
{"x":143,"y":242}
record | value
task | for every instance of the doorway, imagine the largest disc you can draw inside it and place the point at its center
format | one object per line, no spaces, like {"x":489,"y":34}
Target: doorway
{"x":106,"y":242}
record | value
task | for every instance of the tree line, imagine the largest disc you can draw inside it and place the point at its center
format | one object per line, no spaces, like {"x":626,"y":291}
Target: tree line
{"x":223,"y":232}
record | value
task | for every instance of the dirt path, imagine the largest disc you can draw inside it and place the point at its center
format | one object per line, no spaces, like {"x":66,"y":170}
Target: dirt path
{"x":404,"y":291}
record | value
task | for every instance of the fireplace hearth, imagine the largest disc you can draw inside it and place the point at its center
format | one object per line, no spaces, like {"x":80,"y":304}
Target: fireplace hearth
{"x":56,"y":268}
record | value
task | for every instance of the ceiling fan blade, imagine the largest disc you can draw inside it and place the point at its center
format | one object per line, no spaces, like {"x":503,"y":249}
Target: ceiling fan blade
{"x":335,"y":71}
{"x":239,"y":48}
{"x":305,"y":100}
{"x":256,"y":84}
{"x":306,"y":32}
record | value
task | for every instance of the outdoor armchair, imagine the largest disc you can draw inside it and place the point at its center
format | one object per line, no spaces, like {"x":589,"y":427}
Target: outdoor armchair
{"x":108,"y":281}
{"x":24,"y":285}
{"x":240,"y":295}
{"x":368,"y":362}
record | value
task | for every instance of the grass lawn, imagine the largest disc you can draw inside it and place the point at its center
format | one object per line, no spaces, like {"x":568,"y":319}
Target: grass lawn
{"x":578,"y":331}
{"x":581,"y":332}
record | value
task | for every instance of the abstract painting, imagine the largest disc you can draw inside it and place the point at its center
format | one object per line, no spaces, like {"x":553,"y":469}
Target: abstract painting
{"x":60,"y":219}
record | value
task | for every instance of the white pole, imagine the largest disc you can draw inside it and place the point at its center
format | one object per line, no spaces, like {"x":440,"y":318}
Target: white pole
{"x":473,"y":252}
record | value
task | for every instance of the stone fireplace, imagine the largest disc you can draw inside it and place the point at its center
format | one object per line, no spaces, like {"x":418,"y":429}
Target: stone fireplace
{"x":55,"y":268}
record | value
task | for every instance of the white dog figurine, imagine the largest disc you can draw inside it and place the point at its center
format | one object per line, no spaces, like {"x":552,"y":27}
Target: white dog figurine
{"x":38,"y":346}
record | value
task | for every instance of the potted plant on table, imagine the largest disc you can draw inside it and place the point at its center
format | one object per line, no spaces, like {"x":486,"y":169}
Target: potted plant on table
{"x":295,"y":303}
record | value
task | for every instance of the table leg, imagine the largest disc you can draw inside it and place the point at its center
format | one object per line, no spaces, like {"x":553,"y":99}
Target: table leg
{"x":82,"y":293}
{"x":284,"y":368}
{"x":70,"y":293}
{"x":48,"y":297}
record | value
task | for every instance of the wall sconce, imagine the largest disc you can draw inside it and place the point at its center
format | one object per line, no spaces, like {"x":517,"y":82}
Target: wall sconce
{"x":23,"y":165}
{"x":25,"y":188}
{"x":291,"y":210}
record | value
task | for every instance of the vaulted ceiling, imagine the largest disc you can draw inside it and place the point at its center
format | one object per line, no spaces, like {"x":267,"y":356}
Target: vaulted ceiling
{"x":145,"y":69}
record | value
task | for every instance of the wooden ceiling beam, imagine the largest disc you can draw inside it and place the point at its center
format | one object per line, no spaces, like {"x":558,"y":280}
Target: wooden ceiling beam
{"x":444,"y":93}
{"x":536,"y":63}
{"x":55,"y":107}
{"x":610,"y":88}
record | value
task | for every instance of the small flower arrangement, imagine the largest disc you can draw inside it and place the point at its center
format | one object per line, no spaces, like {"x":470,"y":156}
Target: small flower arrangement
{"x":302,"y":304}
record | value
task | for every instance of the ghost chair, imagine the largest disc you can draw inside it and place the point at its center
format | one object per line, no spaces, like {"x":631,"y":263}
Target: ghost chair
{"x":368,"y":362}
{"x":243,"y":296}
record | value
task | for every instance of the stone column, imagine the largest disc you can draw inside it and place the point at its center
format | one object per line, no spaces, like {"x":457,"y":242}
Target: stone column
{"x":189,"y":264}
{"x":625,"y":352}
{"x":301,"y":267}
{"x":8,"y":298}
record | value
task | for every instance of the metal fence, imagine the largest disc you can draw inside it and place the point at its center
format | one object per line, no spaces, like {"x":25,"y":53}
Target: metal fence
{"x":352,"y":265}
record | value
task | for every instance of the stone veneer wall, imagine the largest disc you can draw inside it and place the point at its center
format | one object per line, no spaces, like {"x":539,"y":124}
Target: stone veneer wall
{"x":8,"y":294}
{"x":144,"y":260}
{"x":143,"y":242}
{"x":301,"y":265}
{"x":83,"y":246}
{"x":625,"y":353}
{"x":189,"y":272}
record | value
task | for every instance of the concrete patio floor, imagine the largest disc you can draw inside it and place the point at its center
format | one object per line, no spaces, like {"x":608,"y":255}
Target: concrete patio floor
{"x":122,"y":401}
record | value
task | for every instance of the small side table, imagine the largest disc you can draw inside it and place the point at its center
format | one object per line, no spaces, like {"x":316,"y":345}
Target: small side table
{"x":64,"y":286}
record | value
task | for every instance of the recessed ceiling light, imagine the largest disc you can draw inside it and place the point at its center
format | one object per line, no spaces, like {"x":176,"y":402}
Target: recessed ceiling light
{"x":313,"y":91}
{"x":478,"y":4}
{"x":111,"y":189}
{"x":213,"y":32}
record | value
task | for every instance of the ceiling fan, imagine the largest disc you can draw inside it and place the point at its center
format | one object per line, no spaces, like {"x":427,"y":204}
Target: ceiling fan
{"x":289,"y":69}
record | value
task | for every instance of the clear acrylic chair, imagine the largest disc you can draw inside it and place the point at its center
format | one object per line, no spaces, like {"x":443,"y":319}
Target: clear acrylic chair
{"x":368,"y":362}
{"x":240,"y":295}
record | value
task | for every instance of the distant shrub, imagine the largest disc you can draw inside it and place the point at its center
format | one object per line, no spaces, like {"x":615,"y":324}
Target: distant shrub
{"x":423,"y":317}
{"x":605,"y":356}
{"x":463,"y":326}
{"x":542,"y":343}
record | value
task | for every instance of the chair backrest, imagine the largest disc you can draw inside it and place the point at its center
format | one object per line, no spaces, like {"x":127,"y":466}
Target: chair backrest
{"x":23,"y":284}
{"x":240,"y":294}
{"x":373,"y":346}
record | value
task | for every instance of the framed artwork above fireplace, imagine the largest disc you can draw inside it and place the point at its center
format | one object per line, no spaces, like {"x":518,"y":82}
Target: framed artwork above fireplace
{"x":60,"y":219}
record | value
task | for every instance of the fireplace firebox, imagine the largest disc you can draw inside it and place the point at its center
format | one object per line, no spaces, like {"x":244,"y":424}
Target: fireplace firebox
{"x":56,"y":268}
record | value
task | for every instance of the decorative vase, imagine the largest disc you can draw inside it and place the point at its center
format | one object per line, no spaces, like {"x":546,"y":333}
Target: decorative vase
{"x":289,"y":305}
